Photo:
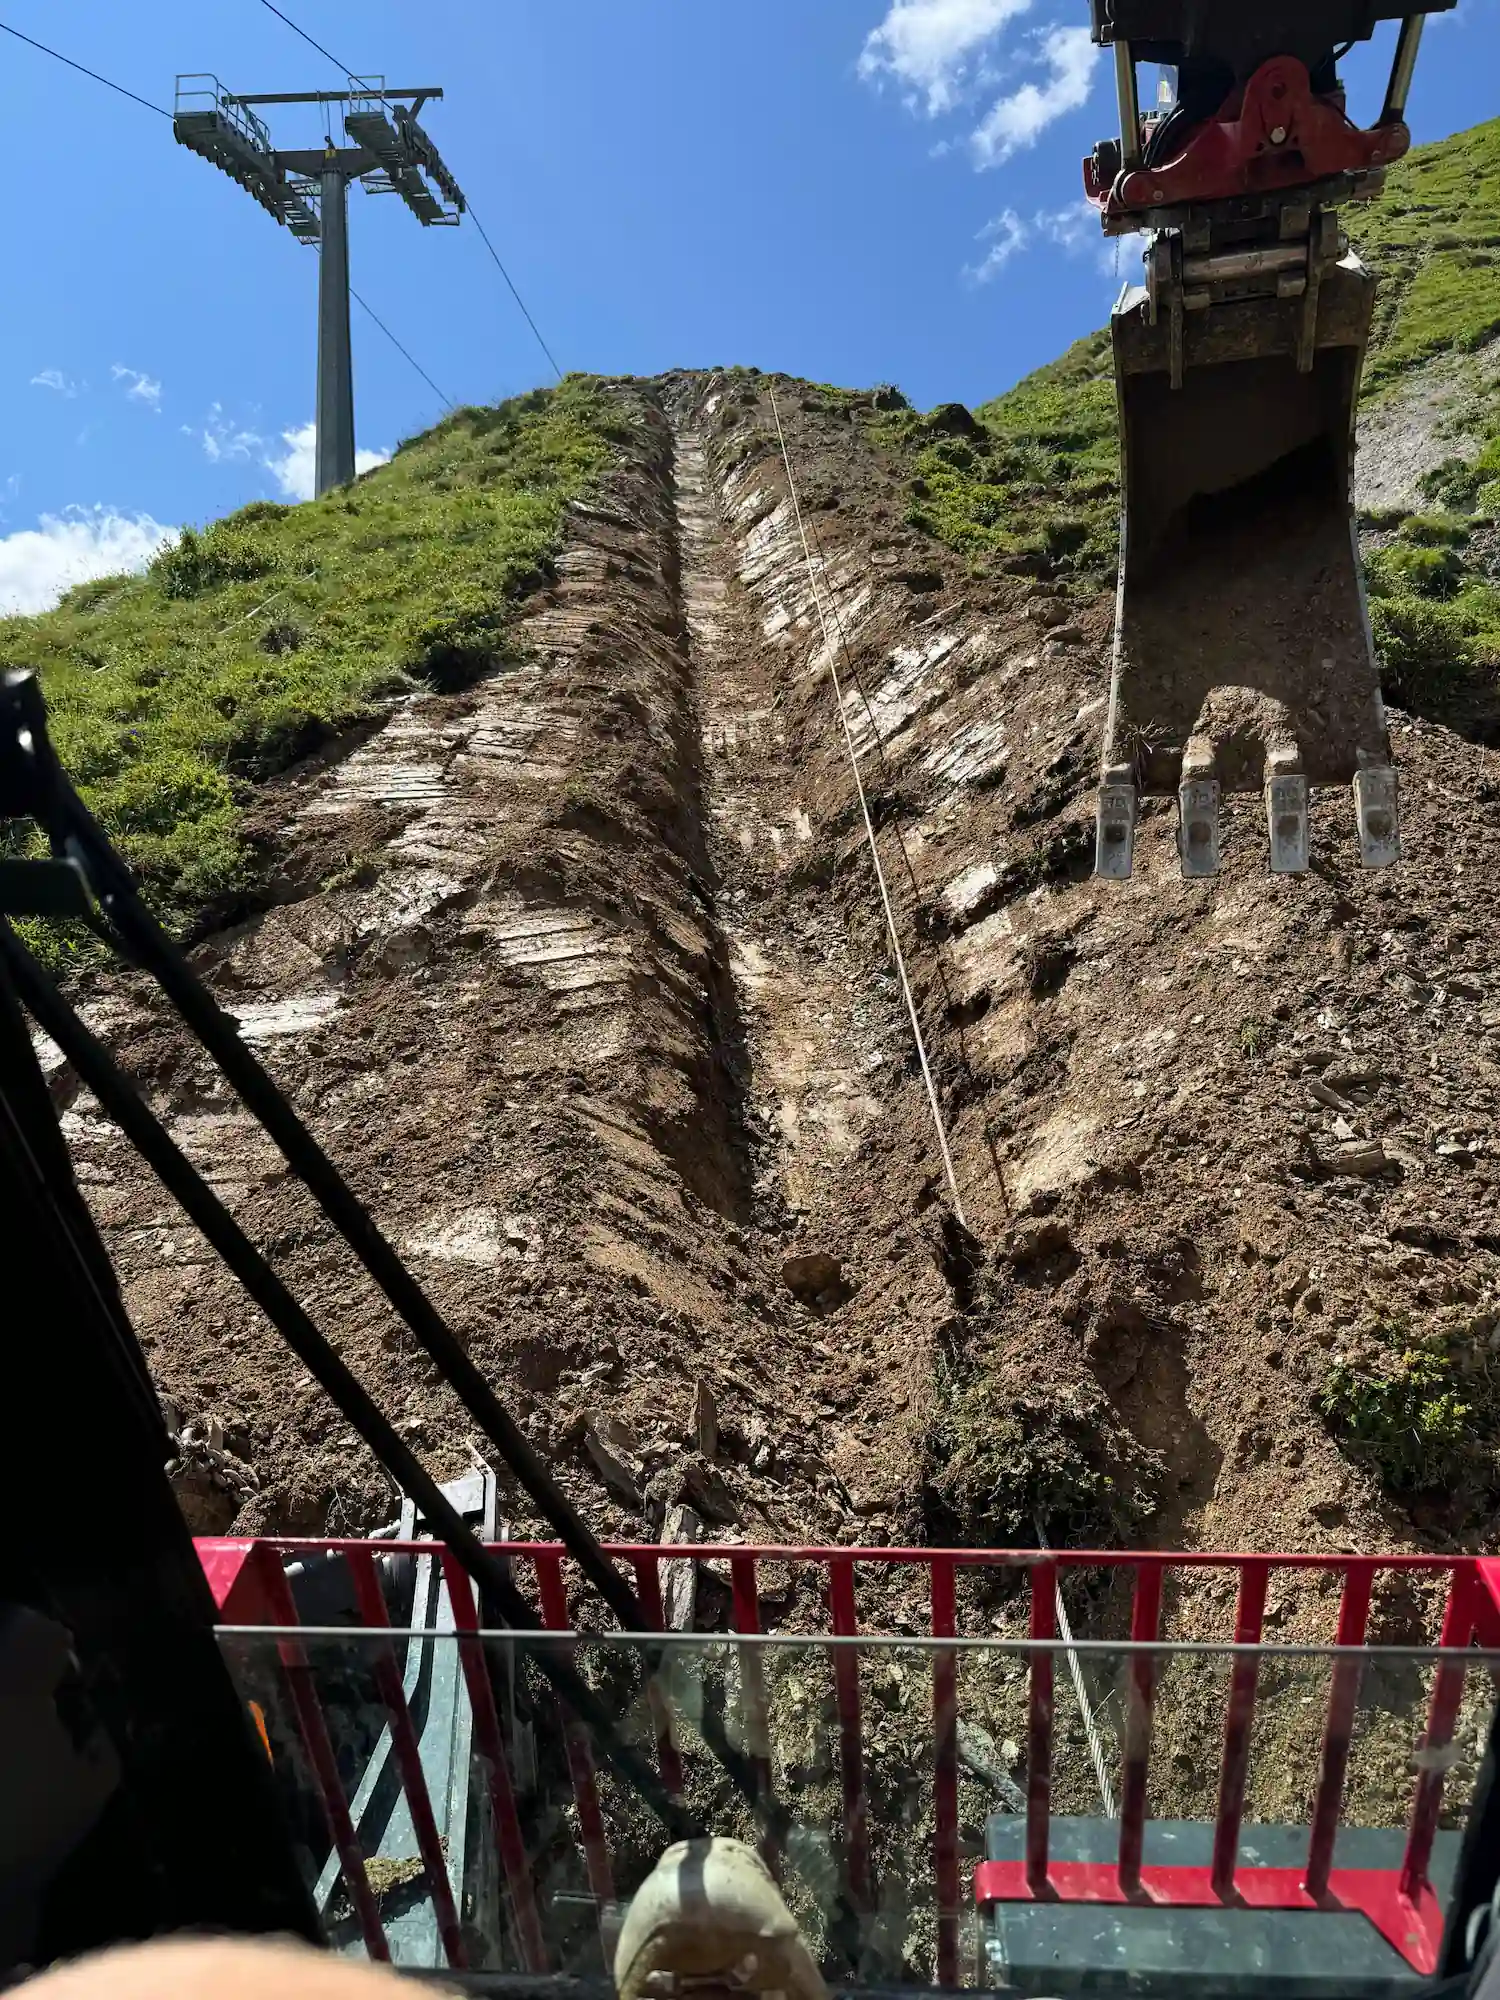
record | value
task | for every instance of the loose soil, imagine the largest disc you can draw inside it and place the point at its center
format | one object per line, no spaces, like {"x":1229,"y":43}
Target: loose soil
{"x":582,"y":979}
{"x":1277,"y":592}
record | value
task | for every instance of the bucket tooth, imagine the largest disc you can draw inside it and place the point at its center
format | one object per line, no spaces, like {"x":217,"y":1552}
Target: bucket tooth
{"x":1114,"y":853}
{"x":1287,"y":815}
{"x":1198,"y":827}
{"x":1287,"y":823}
{"x":1375,"y":811}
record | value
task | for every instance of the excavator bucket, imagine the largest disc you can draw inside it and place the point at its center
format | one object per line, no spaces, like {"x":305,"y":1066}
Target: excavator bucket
{"x":1243,"y":656}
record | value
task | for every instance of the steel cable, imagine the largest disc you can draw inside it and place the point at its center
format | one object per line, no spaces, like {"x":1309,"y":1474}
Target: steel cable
{"x":1085,"y":1709}
{"x":144,"y":102}
{"x":940,"y":955}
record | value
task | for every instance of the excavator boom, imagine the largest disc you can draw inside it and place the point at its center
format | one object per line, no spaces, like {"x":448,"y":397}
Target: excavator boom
{"x":1243,"y":657}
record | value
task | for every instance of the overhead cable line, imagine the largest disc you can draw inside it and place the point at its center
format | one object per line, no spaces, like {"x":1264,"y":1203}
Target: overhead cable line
{"x":468,"y":205}
{"x":306,"y":37}
{"x":551,"y":358}
{"x":57,"y":56}
{"x":446,"y":401}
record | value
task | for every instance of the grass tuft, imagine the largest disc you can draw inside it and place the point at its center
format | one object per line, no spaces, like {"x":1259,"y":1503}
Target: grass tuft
{"x":1399,"y":1408}
{"x":1255,"y":1037}
{"x":1001,"y":1456}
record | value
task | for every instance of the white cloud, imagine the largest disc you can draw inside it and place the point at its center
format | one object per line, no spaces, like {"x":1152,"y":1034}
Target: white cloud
{"x":38,"y":564}
{"x":1020,"y":118}
{"x":1070,"y":228}
{"x":1006,"y":235}
{"x":945,"y":52}
{"x":1074,"y":230}
{"x":54,"y":378}
{"x":141,"y":387}
{"x":296,"y":467}
{"x":1077,"y":230}
{"x":935,"y":47}
{"x":222,"y":439}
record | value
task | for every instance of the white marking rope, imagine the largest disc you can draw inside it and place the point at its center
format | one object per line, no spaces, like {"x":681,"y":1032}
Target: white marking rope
{"x":1075,"y":1668}
{"x":830,"y":646}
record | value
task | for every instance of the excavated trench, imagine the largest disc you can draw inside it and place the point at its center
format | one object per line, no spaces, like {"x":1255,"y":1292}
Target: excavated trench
{"x":581,"y":977}
{"x":558,"y":977}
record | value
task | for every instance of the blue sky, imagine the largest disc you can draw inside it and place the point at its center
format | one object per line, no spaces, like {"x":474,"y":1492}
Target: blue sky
{"x":854,"y":190}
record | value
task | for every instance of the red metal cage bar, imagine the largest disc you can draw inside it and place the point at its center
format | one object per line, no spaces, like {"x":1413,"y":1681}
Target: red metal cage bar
{"x":648,"y":1589}
{"x":945,"y":1772}
{"x":250,"y":1590}
{"x":1244,"y":1677}
{"x":745,"y":1583}
{"x":509,"y":1841}
{"x":851,"y":1736}
{"x":554,"y":1596}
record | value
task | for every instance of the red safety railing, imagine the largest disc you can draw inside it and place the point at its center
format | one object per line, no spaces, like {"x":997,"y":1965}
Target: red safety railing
{"x":250,"y":1589}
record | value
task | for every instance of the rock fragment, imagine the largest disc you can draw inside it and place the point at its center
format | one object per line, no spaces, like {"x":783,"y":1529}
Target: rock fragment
{"x":977,"y":1752}
{"x":604,"y":1446}
{"x":680,"y":1579}
{"x":1319,"y":1090}
{"x":1364,"y":1157}
{"x":706,"y":1421}
{"x":411,"y":945}
{"x":709,"y":1491}
{"x":1031,"y":1238}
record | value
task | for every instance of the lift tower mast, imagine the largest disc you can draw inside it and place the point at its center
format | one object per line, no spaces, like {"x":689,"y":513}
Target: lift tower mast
{"x":306,"y":191}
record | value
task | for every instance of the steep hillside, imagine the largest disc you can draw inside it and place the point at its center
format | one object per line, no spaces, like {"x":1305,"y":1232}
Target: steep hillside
{"x":516,"y":826}
{"x":576,"y":791}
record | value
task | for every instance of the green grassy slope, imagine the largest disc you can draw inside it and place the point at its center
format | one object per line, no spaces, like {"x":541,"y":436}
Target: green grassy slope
{"x":1434,"y":238}
{"x":1035,"y":486}
{"x":243,"y":647}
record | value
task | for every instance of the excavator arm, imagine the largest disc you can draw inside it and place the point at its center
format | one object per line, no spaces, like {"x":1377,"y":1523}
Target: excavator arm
{"x":1243,"y":658}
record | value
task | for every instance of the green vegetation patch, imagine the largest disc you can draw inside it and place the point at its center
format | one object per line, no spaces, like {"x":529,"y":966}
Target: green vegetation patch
{"x":1436,"y":616}
{"x":1433,"y":238}
{"x":1030,"y":478}
{"x":244,"y":646}
{"x":1421,"y":1411}
{"x":1255,"y":1037}
{"x":1001,"y":1457}
{"x":1451,"y":304}
{"x":1473,"y":483}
